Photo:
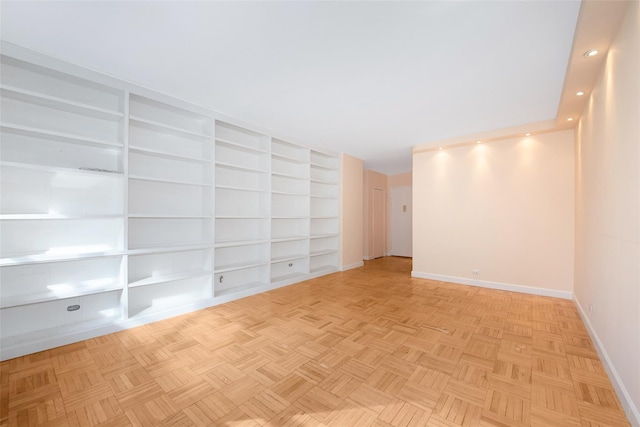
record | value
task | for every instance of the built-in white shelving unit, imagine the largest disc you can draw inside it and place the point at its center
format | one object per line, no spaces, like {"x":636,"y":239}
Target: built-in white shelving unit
{"x":325,"y":212}
{"x":290,"y":206}
{"x":61,"y":212}
{"x":120,"y":206}
{"x":242,"y":209}
{"x":170,"y":195}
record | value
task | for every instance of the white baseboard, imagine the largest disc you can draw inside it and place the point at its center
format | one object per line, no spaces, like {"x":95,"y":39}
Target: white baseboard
{"x":630,"y":409}
{"x":495,"y":285}
{"x":352,"y":266}
{"x":367,"y":258}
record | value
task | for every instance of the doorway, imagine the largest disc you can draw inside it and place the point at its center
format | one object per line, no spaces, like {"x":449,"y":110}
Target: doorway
{"x":378,"y":232}
{"x":400,"y":222}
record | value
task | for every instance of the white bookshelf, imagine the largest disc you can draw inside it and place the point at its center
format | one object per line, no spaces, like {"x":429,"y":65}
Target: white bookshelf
{"x":325,"y":212}
{"x":241,"y":209}
{"x":61,"y":210}
{"x":169,"y":206}
{"x":121,"y":206}
{"x":289,"y":211}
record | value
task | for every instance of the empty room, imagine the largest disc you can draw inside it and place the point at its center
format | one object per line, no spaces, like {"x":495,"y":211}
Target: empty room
{"x":320,"y":213}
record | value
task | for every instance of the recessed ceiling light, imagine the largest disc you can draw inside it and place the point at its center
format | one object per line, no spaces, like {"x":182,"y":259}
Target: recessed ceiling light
{"x":570,"y":119}
{"x":439,"y":148}
{"x":590,"y":53}
{"x":580,"y":93}
{"x":527,"y":134}
{"x":478,"y":142}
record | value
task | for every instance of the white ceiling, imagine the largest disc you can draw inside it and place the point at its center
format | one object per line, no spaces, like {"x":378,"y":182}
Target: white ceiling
{"x":370,"y":79}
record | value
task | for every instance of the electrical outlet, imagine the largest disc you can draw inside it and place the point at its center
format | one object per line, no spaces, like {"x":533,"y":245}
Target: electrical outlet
{"x":290,"y":264}
{"x":475,"y":272}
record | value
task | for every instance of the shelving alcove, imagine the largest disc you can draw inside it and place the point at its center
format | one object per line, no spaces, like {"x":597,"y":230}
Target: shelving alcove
{"x":121,"y":206}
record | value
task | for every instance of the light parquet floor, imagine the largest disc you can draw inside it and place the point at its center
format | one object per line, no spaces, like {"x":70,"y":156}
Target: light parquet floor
{"x":367,"y":347}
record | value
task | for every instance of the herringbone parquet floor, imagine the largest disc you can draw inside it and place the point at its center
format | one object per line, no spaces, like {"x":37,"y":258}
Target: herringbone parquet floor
{"x":368,"y":347}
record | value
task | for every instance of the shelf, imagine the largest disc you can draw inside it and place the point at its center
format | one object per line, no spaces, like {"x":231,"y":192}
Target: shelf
{"x":18,"y":300}
{"x":325,"y":252}
{"x":165,"y":278}
{"x":289,"y":217}
{"x":233,"y":243}
{"x":322,"y":236}
{"x":56,"y":169}
{"x":231,"y":187}
{"x":169,"y":216}
{"x":324,"y":197}
{"x":286,"y":175}
{"x":160,"y":249}
{"x":325,"y":217}
{"x":32,"y":217}
{"x":324,"y":167}
{"x":288,"y":239}
{"x":323,"y":268}
{"x":57,"y":136}
{"x":59,"y":103}
{"x":165,"y":154}
{"x":286,"y":277}
{"x":240,"y":266}
{"x":167,"y":181}
{"x":161,"y":126}
{"x":238,"y":289}
{"x":238,"y":146}
{"x":288,"y":158}
{"x":240,"y":167}
{"x":44,"y":258}
{"x":288,"y":258}
{"x":323,"y":181}
{"x":289,"y":193}
{"x":241,"y":217}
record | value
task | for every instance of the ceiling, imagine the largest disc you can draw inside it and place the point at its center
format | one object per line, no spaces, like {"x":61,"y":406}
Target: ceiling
{"x":371,"y":79}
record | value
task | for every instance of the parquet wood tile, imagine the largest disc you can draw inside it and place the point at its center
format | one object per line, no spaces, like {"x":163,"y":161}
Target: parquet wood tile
{"x":367,"y":347}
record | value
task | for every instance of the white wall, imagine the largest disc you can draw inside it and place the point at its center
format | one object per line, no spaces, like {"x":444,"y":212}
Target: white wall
{"x":607,"y":268}
{"x":505,"y":208}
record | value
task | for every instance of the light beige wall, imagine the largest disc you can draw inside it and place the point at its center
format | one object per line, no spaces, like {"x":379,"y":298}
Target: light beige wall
{"x":400,"y":180}
{"x":351,"y":207}
{"x":372,"y":180}
{"x":607,"y":268}
{"x":505,"y":208}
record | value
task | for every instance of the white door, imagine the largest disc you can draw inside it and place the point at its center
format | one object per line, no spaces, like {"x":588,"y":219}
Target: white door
{"x":400,"y":221}
{"x":378,"y":223}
